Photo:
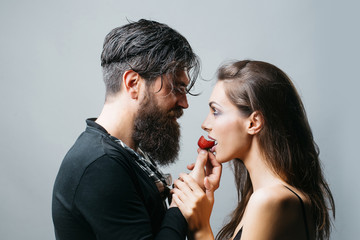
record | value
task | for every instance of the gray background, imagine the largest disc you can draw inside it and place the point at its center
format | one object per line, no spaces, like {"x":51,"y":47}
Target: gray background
{"x":51,"y":82}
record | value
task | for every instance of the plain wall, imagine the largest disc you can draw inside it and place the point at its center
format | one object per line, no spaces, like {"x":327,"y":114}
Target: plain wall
{"x":51,"y":82}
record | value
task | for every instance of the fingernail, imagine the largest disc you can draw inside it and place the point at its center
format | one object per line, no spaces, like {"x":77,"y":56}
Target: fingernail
{"x":203,"y":152}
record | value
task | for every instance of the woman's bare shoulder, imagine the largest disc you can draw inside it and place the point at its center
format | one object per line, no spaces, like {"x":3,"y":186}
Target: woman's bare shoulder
{"x":273,"y":211}
{"x":274,"y":196}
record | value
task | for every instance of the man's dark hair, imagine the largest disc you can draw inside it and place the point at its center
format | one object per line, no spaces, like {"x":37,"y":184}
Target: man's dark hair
{"x":149,"y":48}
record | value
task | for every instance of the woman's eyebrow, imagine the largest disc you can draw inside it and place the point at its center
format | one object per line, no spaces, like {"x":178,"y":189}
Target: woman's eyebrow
{"x":211,"y":103}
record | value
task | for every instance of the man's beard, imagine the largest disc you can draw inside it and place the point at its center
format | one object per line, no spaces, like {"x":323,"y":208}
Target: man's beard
{"x":157,"y":132}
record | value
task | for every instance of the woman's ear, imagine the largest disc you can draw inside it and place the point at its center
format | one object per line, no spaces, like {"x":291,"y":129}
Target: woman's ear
{"x":256,"y":122}
{"x":131,"y":83}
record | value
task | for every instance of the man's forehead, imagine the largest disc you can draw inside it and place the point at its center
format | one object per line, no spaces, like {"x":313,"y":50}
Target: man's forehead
{"x":181,"y":78}
{"x":178,"y":79}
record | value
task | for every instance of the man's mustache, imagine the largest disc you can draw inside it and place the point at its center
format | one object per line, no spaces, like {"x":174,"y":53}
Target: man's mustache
{"x":176,"y":113}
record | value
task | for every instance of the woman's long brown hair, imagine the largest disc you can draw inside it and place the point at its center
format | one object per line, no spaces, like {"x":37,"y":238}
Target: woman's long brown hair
{"x":286,"y":139}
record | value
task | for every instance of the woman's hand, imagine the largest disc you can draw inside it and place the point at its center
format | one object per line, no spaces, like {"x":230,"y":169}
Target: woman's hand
{"x":198,"y":171}
{"x":195,"y":204}
{"x":206,"y":170}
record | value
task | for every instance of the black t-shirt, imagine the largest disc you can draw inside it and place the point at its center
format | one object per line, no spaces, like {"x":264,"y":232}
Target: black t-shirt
{"x":101,"y":193}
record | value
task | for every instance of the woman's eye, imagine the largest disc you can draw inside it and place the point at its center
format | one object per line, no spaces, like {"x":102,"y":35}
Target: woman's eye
{"x":215,"y":111}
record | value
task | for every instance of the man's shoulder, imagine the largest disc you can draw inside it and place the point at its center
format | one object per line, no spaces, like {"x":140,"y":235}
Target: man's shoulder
{"x":91,"y":155}
{"x":92,"y":146}
{"x":92,"y":150}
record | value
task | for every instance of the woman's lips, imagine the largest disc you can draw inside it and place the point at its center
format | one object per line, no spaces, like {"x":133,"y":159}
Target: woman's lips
{"x":213,"y":148}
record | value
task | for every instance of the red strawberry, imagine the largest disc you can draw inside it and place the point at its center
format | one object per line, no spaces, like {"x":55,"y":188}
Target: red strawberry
{"x":205,"y":144}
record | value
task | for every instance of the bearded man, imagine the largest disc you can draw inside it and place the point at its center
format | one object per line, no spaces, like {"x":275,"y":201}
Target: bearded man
{"x":109,"y":185}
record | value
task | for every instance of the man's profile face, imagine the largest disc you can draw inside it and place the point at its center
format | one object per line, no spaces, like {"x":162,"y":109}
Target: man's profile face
{"x":156,"y":130}
{"x":170,"y":91}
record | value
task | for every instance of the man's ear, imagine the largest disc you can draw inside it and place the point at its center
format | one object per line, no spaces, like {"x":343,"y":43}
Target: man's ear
{"x":131,"y":83}
{"x":256,"y":122}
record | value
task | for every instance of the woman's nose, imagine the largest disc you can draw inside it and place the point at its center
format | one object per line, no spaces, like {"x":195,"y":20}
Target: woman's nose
{"x":205,"y":125}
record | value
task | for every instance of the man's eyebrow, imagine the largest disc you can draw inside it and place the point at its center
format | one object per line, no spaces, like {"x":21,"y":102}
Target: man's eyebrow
{"x":181,"y":84}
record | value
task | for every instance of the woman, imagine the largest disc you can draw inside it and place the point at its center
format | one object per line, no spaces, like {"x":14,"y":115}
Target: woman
{"x":258,"y":121}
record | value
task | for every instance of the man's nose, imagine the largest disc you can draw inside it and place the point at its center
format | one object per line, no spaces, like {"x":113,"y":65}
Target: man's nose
{"x":182,"y":101}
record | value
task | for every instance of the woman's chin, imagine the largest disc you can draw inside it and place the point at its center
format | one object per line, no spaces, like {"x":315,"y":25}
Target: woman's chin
{"x":219,"y":158}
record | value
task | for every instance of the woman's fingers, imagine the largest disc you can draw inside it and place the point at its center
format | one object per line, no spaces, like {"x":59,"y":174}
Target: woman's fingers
{"x":191,"y":183}
{"x":189,"y":196}
{"x":177,"y":197}
{"x":198,"y":172}
{"x":182,"y":186}
{"x":209,"y":190}
{"x":190,"y":166}
{"x":213,"y":171}
{"x":188,"y":187}
{"x":185,"y":198}
{"x":201,"y":161}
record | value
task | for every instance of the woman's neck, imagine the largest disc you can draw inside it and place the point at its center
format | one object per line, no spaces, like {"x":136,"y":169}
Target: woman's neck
{"x":261,"y":174}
